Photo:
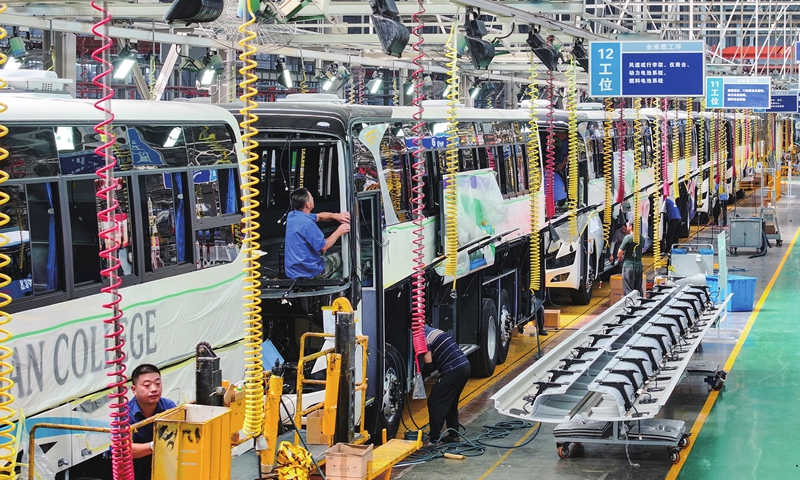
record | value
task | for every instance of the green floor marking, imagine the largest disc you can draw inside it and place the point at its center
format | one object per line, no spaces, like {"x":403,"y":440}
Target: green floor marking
{"x":752,"y":430}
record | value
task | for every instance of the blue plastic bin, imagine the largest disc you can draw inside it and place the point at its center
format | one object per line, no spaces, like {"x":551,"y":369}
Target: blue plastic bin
{"x":743,"y":289}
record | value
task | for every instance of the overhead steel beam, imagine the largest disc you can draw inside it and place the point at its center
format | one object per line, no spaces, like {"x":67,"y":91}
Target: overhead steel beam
{"x":505,"y":10}
{"x":120,"y":10}
{"x":372,"y":39}
{"x":85,"y":28}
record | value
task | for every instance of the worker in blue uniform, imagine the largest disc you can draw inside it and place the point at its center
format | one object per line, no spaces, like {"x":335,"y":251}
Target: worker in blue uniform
{"x":673,"y":223}
{"x":147,"y":401}
{"x":305,"y":242}
{"x":446,"y":356}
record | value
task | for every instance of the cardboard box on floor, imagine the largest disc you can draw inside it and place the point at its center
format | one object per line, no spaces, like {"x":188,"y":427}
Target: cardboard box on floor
{"x":347,"y":461}
{"x":314,"y":433}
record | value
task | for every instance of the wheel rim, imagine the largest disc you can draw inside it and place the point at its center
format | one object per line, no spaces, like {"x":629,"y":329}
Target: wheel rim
{"x":491,"y":340}
{"x":505,"y":325}
{"x":390,"y":397}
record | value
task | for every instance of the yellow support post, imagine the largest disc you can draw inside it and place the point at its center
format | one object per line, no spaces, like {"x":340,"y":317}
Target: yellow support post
{"x":331,"y":394}
{"x":272,"y":418}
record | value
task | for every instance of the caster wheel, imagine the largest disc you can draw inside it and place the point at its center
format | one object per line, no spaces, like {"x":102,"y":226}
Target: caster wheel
{"x":779,"y":242}
{"x":683,"y":442}
{"x":576,"y":451}
{"x":563,"y":451}
{"x":674,"y":457}
{"x":717,"y":385}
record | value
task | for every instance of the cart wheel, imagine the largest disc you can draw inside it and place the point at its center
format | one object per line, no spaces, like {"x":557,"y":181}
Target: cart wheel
{"x":563,"y":451}
{"x":674,"y":457}
{"x":718,"y":384}
{"x":684,"y":441}
{"x":779,"y":242}
{"x":723,"y":374}
{"x":734,"y":250}
{"x":577,"y":450}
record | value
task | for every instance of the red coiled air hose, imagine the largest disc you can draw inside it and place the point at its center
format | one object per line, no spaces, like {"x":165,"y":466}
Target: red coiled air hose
{"x":121,"y":455}
{"x":418,"y":197}
{"x":550,"y":152}
{"x":665,"y":148}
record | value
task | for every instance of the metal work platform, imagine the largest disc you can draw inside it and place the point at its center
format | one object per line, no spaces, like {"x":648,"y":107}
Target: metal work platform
{"x":618,"y":371}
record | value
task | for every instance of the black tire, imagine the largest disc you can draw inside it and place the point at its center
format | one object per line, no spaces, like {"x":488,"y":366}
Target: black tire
{"x":390,"y":408}
{"x":674,"y":457}
{"x":505,"y":326}
{"x":583,"y":295}
{"x":484,"y":359}
{"x":683,"y":442}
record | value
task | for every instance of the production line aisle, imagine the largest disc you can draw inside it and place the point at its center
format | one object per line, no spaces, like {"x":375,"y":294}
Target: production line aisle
{"x":723,"y":448}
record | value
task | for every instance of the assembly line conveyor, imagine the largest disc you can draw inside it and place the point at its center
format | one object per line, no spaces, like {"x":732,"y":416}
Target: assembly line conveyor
{"x":609,"y":380}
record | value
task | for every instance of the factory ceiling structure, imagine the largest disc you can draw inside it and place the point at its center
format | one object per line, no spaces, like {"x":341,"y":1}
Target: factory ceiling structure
{"x":740,"y":35}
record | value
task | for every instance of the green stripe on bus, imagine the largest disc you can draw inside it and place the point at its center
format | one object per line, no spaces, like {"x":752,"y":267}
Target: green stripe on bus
{"x":96,"y":317}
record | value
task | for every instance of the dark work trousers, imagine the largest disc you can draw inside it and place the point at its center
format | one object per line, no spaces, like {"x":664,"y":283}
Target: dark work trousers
{"x":721,"y":207}
{"x":632,"y":280}
{"x":443,"y":400}
{"x":673,"y":233}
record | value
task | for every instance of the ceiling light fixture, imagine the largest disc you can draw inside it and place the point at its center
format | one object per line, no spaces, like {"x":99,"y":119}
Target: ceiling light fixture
{"x":375,"y":84}
{"x":284,"y":74}
{"x":125,"y":61}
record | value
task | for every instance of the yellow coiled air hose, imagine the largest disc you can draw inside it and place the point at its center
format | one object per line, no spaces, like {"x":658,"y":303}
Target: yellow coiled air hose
{"x":676,"y":152}
{"x":638,"y":131}
{"x":8,"y":451}
{"x":351,"y":98}
{"x":658,"y":197}
{"x":737,"y":138}
{"x":396,"y":93}
{"x":608,"y":169}
{"x":701,"y":151}
{"x":451,"y":162}
{"x":572,"y":174}
{"x":534,"y":181}
{"x":723,"y":148}
{"x":688,"y":134}
{"x":254,"y":382}
{"x":303,"y":85}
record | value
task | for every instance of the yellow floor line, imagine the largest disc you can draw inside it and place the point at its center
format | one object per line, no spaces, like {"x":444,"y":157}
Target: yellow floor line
{"x":712,"y":397}
{"x":522,"y":440}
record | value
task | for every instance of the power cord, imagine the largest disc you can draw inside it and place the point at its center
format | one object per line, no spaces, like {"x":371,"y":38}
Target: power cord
{"x":472,"y":448}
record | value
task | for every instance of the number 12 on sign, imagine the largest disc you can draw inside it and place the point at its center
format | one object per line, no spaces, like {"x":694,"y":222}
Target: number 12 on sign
{"x":605,"y":67}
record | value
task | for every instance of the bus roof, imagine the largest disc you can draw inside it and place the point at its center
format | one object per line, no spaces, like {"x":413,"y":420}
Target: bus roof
{"x":33,"y":108}
{"x":334,"y":118}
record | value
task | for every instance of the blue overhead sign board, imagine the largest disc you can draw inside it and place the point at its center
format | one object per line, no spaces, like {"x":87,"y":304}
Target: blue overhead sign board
{"x":646,"y":69}
{"x":797,"y":52}
{"x":783,"y":104}
{"x":737,"y":92}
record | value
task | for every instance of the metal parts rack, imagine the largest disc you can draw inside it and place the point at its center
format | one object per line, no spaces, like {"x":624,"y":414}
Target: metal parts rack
{"x":607,"y":383}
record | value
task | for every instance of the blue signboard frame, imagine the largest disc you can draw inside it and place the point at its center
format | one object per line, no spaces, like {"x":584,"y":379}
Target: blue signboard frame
{"x":738,"y":92}
{"x":783,"y":104}
{"x":647,"y":69}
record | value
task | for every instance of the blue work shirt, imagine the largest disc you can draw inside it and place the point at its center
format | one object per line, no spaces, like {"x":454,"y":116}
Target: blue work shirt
{"x":145,"y":434}
{"x":559,"y":191}
{"x":142,"y":466}
{"x":673,"y":213}
{"x":304,"y":242}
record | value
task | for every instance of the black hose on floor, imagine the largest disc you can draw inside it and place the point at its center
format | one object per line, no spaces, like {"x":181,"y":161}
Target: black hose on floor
{"x":475,"y":447}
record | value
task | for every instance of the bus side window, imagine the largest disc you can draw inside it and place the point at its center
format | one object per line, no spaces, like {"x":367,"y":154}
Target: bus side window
{"x":34,"y":240}
{"x":165,"y":227}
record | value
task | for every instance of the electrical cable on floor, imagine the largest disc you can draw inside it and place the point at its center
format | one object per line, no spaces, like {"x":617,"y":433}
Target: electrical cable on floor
{"x":472,"y":448}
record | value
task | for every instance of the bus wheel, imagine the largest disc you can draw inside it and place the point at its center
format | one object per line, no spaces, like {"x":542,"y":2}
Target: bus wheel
{"x":506,"y":322}
{"x":391,"y":409}
{"x":484,"y":359}
{"x":583,"y":295}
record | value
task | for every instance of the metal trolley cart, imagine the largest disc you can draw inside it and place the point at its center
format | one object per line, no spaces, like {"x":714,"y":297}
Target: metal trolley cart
{"x":607,"y":383}
{"x":771,"y":229}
